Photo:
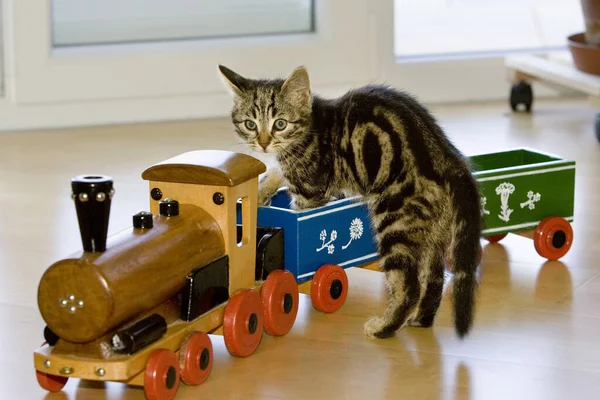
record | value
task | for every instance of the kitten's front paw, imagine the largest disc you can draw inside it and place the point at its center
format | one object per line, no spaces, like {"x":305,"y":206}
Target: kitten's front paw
{"x":265,"y":194}
{"x":295,"y":205}
{"x":264,"y":199}
{"x":299,"y":203}
{"x":377,"y":327}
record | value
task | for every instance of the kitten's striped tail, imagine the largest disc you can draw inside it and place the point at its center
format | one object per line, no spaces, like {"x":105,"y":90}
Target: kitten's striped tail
{"x":466,"y":248}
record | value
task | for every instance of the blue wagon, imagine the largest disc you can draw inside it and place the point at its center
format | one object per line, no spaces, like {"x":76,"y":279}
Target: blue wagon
{"x":336,"y":233}
{"x":318,"y":244}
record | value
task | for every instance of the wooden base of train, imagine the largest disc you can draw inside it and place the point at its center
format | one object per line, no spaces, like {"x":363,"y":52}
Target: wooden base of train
{"x":184,"y":353}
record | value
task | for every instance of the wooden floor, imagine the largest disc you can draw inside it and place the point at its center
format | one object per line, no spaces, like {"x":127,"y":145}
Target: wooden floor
{"x":537,"y":329}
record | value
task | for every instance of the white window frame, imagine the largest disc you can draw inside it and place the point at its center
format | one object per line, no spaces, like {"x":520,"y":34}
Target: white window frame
{"x":179,"y":68}
{"x":455,"y":79}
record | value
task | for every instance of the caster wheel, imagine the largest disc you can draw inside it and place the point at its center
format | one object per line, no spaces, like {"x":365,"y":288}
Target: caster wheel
{"x":161,"y":378}
{"x":329,"y":288}
{"x":196,"y":358}
{"x":280,"y":298}
{"x":597,"y":127}
{"x":553,"y":238}
{"x":495,"y":238}
{"x":51,"y":383}
{"x":521,"y":93}
{"x":243,"y":323}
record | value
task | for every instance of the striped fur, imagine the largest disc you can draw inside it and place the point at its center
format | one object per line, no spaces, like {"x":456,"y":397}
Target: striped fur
{"x":382,"y":144}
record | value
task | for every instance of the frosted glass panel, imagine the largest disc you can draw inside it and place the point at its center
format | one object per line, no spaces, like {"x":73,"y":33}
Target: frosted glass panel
{"x":86,"y":22}
{"x":433,"y":28}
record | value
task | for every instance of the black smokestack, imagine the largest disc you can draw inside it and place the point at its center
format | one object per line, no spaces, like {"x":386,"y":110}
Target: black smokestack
{"x":92,"y":195}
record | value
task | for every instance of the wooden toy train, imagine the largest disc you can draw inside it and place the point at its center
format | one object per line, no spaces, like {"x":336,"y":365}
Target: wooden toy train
{"x":138,"y":307}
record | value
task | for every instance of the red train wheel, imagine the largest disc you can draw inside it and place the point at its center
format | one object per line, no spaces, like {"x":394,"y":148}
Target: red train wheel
{"x":243,"y":323}
{"x":496,"y":238}
{"x":161,"y":378}
{"x":51,"y":383}
{"x":196,"y":358}
{"x":553,"y":238}
{"x":280,"y":298}
{"x":329,"y":288}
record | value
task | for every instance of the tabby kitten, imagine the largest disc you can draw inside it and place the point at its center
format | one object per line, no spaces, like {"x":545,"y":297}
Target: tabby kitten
{"x":382,"y":144}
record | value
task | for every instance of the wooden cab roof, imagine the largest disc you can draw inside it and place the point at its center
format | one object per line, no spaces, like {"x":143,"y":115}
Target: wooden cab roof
{"x":206,"y":167}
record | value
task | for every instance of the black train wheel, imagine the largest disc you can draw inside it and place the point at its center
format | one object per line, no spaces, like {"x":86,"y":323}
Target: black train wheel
{"x":521,"y":93}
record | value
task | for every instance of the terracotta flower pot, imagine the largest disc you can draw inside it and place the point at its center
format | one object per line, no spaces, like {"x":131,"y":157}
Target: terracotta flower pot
{"x":591,"y":16}
{"x":586,"y":57}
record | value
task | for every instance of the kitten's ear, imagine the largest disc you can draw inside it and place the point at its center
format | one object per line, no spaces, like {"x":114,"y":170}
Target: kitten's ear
{"x":297,"y":84}
{"x":235,"y":82}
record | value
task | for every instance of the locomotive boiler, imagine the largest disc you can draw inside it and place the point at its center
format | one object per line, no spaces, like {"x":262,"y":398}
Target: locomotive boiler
{"x":137,"y":307}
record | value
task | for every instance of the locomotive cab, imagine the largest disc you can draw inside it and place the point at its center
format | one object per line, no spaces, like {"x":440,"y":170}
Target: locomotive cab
{"x":215,"y":181}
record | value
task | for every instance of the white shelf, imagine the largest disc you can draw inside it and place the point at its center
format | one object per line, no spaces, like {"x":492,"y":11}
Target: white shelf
{"x":557,"y":68}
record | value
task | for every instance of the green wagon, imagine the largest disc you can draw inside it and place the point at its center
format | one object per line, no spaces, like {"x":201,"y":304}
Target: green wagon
{"x":527,"y":191}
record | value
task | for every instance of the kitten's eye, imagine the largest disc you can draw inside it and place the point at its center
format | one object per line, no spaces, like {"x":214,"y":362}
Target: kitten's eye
{"x":250,"y":125}
{"x":280,"y":124}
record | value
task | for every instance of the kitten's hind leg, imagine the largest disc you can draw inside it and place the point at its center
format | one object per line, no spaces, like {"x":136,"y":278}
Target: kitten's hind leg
{"x":432,"y":296}
{"x":402,"y":280}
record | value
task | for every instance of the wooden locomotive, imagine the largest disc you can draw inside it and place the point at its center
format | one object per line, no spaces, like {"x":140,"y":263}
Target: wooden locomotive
{"x":138,"y":307}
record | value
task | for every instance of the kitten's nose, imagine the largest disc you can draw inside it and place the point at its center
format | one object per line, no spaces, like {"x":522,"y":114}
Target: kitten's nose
{"x":264,"y":144}
{"x":263,"y":140}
